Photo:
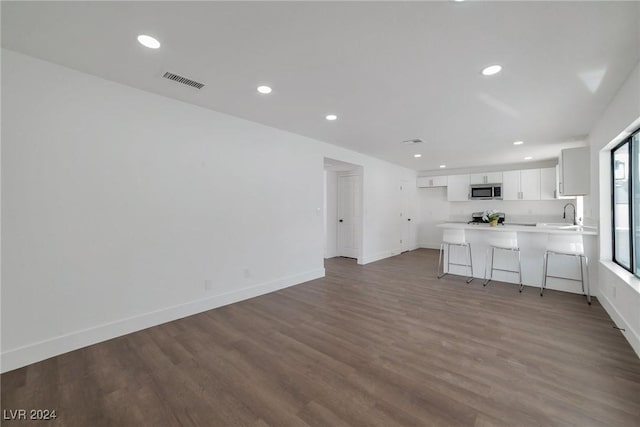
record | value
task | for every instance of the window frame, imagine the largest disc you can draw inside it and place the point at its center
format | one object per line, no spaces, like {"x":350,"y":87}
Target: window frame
{"x":630,"y":195}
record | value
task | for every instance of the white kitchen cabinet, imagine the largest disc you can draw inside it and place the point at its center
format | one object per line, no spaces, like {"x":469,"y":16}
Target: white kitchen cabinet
{"x":548,"y":184}
{"x":485,"y":178}
{"x":530,"y":184}
{"x":431,"y":181}
{"x":511,"y":185}
{"x":558,"y":179}
{"x":476,"y":178}
{"x":458,"y":188}
{"x":521,"y":185}
{"x":574,"y":169}
{"x":494,"y":178}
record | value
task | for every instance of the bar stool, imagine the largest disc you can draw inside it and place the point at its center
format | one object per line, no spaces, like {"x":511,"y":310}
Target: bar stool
{"x":567,"y":245}
{"x":504,"y":241}
{"x":455,"y":237}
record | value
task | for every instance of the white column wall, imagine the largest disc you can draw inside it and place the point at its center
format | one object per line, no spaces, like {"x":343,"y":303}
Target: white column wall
{"x":617,"y":290}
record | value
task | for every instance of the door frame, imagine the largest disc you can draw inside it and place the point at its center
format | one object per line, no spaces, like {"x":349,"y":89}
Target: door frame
{"x":342,"y":167}
{"x":358,"y":215}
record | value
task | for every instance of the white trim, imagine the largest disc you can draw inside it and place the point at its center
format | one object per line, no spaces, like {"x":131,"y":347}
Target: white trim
{"x":22,"y":356}
{"x":379,"y":256}
{"x":430,"y":245}
{"x":629,"y":333}
{"x":624,"y":275}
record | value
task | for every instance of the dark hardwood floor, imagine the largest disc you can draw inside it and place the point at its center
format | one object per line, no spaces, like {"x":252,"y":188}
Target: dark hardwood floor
{"x":384,"y":344}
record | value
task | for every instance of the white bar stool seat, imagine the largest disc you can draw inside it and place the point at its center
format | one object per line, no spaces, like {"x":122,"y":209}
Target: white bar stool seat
{"x":567,"y":245}
{"x":455,"y":237}
{"x":504,"y":241}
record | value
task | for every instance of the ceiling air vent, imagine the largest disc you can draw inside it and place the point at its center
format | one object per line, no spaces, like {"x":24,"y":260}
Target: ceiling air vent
{"x":412,"y":141}
{"x":183,"y":80}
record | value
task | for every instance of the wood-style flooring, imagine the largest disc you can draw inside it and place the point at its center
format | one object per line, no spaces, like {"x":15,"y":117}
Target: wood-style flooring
{"x":384,"y":344}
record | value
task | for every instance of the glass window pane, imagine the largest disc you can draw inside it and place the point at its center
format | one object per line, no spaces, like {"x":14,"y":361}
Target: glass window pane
{"x":635,"y":149}
{"x":621,"y":224}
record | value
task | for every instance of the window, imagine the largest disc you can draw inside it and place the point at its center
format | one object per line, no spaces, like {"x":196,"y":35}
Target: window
{"x":625,"y":171}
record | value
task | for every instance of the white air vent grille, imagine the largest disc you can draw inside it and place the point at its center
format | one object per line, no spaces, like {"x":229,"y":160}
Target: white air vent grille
{"x":413,"y":141}
{"x":183,"y":80}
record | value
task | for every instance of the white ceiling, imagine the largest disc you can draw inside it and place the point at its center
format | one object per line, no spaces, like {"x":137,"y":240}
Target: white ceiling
{"x":390,"y":71}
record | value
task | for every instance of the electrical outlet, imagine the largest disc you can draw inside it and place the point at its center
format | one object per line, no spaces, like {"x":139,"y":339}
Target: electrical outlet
{"x":208,"y":285}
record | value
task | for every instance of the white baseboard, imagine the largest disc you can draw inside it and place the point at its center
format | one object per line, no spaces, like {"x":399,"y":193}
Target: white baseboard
{"x":384,"y":254}
{"x":374,"y":258}
{"x":378,"y":256}
{"x":22,"y":356}
{"x":429,"y":245}
{"x":629,"y":333}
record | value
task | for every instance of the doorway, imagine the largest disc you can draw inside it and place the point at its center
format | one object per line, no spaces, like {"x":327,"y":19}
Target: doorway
{"x":405,"y":218}
{"x":343,"y":209}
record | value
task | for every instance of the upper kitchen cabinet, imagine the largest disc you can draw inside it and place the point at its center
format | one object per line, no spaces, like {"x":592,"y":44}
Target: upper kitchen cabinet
{"x":548,"y":185}
{"x":458,"y":188}
{"x":521,"y":185}
{"x":573,"y":176}
{"x":431,"y":181}
{"x":485,"y":178}
{"x":530,"y":184}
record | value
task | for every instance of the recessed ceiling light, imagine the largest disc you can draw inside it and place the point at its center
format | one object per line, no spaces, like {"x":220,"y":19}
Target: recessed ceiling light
{"x":491,"y":70}
{"x":458,"y":1}
{"x":444,"y":166}
{"x":518,"y":143}
{"x":148,"y":41}
{"x":264,"y":89}
{"x":331,"y":117}
{"x":417,"y":155}
{"x":528,"y":158}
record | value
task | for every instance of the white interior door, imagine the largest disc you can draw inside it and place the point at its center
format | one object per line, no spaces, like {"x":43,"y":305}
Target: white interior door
{"x":349,"y":216}
{"x":405,"y":217}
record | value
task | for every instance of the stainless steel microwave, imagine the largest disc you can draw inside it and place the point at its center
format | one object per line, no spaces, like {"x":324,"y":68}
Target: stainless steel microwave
{"x":485,"y":192}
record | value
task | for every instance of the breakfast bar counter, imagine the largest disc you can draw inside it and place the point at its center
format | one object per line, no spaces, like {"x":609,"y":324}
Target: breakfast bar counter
{"x":547,"y":228}
{"x":532,"y":241}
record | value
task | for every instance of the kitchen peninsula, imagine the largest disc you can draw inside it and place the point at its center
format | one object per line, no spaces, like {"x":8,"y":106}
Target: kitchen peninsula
{"x":532,"y":242}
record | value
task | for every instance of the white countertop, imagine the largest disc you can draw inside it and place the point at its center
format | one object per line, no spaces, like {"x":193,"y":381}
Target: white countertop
{"x":587,"y":231}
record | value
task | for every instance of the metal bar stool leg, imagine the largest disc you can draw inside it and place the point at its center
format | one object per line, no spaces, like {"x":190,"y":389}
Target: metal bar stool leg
{"x":544,"y":272}
{"x":581,"y":274}
{"x":486,"y":264}
{"x":586,"y":266}
{"x":470,"y":263}
{"x":487,"y":280}
{"x":441,"y":261}
{"x":520,"y":272}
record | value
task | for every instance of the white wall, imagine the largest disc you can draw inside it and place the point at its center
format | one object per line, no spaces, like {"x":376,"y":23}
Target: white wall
{"x":434,"y":209}
{"x":617,"y":290}
{"x":123,"y":209}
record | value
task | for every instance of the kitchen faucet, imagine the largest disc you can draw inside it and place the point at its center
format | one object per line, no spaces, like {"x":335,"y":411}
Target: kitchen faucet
{"x":564,"y":212}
